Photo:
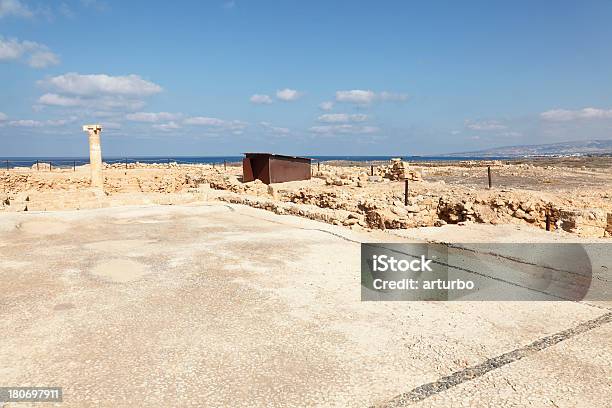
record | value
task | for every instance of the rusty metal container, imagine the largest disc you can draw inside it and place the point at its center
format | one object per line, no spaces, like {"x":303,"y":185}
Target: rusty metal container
{"x":274,"y":168}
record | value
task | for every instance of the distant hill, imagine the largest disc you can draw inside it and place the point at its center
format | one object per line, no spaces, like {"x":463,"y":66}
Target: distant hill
{"x":553,"y":149}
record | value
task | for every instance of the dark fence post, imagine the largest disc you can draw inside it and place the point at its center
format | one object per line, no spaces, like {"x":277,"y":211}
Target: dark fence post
{"x":126,"y":164}
{"x":37,"y":165}
{"x":406,"y":192}
{"x":74,"y":165}
{"x":372,"y":170}
{"x":224,"y":165}
{"x":50,"y":165}
{"x":318,"y":166}
{"x":489,"y":175}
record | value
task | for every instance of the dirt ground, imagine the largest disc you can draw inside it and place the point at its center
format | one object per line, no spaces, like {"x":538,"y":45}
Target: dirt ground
{"x":555,"y":174}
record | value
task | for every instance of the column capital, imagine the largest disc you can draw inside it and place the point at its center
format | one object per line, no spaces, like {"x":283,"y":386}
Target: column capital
{"x":92,"y":128}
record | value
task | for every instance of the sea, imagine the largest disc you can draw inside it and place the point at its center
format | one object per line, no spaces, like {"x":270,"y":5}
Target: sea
{"x":64,"y":162}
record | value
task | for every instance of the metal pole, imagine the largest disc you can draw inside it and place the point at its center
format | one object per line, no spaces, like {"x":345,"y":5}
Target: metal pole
{"x":547,"y":220}
{"x":489,"y":174}
{"x":406,"y":192}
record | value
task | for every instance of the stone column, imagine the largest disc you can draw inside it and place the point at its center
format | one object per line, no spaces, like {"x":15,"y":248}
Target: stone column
{"x":95,"y":155}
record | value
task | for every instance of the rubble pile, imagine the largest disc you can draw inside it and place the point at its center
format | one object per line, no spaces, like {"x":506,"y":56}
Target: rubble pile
{"x":336,"y":217}
{"x":41,"y":166}
{"x":396,"y":170}
{"x":359,"y":179}
{"x":399,"y":170}
{"x":333,"y":200}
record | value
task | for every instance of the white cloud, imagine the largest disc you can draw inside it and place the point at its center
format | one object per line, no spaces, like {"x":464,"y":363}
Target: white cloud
{"x":356,"y":96}
{"x":234,"y":125}
{"x":25,"y":123}
{"x":38,"y":123}
{"x":43,"y":59}
{"x":229,"y":4}
{"x":392,"y":97}
{"x":152,"y":116}
{"x":512,"y":134}
{"x":204,"y":121}
{"x":11,"y":49}
{"x":366,"y":97}
{"x":563,"y":115}
{"x":275,"y":129}
{"x":484,"y":125}
{"x":3,"y":116}
{"x":326,"y":106}
{"x":100,"y":84}
{"x":342,"y":117}
{"x":104,"y":102}
{"x":288,"y":95}
{"x":558,"y":115}
{"x":59,"y":100}
{"x":60,"y":122}
{"x":343,"y":129}
{"x":98,"y":92}
{"x":167,"y":127}
{"x":115,"y":102}
{"x":14,"y":8}
{"x":34,"y":54}
{"x":104,"y":114}
{"x":261,"y":99}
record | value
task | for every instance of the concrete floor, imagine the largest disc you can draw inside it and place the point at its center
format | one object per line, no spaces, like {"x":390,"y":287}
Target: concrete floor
{"x":227,"y":306}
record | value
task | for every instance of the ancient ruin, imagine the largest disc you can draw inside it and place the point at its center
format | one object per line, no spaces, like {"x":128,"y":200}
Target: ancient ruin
{"x":95,"y":155}
{"x":574,"y":198}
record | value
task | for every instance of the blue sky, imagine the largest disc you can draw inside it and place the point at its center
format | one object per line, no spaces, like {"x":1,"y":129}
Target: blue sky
{"x":302,"y":77}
